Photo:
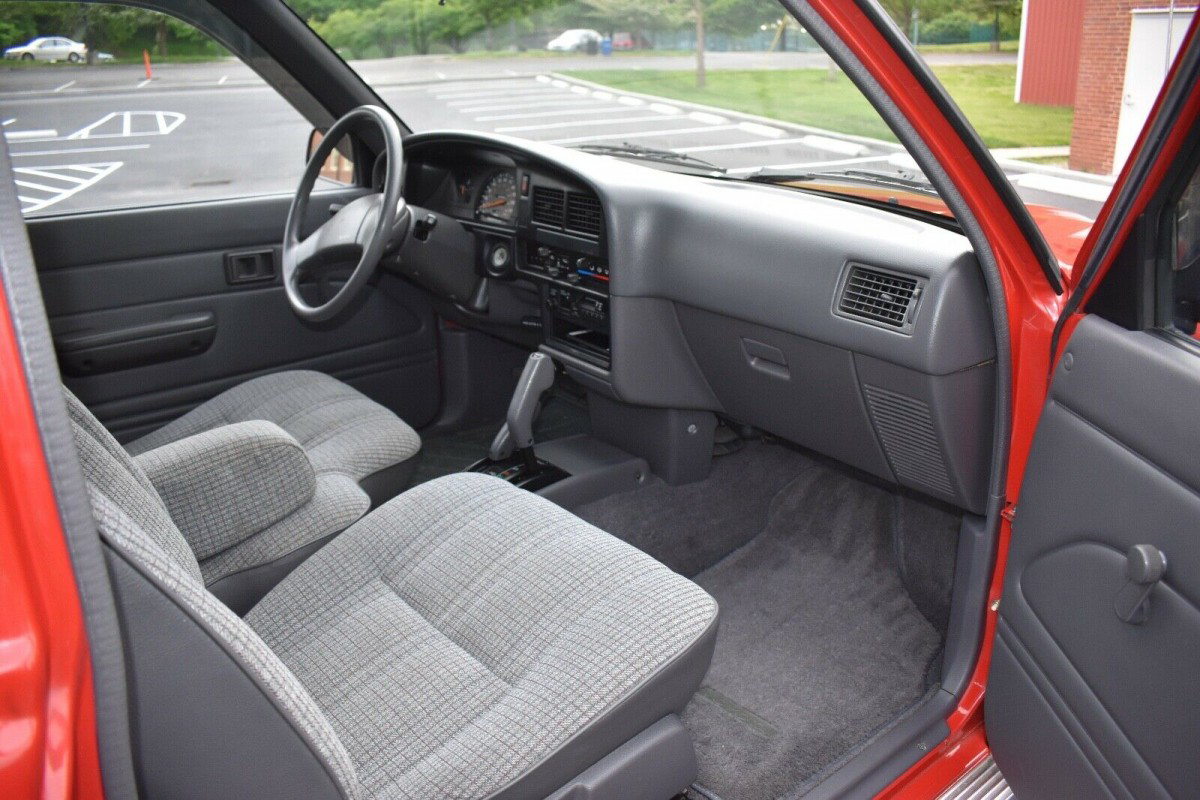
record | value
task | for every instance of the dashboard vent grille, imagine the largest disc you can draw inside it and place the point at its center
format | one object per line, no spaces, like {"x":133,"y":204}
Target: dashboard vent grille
{"x":883,"y":298}
{"x":548,"y":206}
{"x":584,"y":214}
{"x":909,"y":440}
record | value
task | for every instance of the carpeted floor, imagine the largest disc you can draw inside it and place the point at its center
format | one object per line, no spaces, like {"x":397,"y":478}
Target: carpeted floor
{"x":692,"y":527}
{"x":820,"y":644}
{"x":444,"y":454}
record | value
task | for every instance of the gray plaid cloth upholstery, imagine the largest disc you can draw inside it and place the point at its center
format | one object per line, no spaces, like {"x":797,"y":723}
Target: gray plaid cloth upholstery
{"x":246,"y":494}
{"x":340,"y":428}
{"x":461,"y":633}
{"x":132,"y":519}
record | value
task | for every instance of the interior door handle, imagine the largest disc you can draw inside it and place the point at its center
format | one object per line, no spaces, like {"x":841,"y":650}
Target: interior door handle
{"x":91,"y":352}
{"x":1145,"y":565}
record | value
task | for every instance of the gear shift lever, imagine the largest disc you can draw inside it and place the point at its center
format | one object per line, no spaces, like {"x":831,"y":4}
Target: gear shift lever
{"x":517,"y":431}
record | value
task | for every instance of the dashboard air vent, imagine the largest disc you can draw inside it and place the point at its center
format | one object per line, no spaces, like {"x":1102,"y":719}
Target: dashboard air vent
{"x":584,"y":214}
{"x":883,"y":298}
{"x":548,"y":206}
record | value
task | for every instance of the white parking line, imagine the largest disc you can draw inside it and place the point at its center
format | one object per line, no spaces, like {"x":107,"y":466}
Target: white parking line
{"x":49,"y":173}
{"x":165,"y":122}
{"x":599,"y":95}
{"x":559,"y":84}
{"x":35,"y":196}
{"x":564,"y":103}
{"x":524,"y":93}
{"x":503,"y":87}
{"x":643,"y":134}
{"x":542,"y":78}
{"x":704,"y":116}
{"x":66,"y":85}
{"x":441,"y":76}
{"x":835,"y":145}
{"x":580,"y":122}
{"x":712,"y":148}
{"x":8,"y":121}
{"x":809,"y":165}
{"x":223,"y":79}
{"x":570,"y":112}
{"x":143,"y":83}
{"x":761,"y":130}
{"x":630,"y":101}
{"x":81,"y":150}
{"x":663,"y":108}
{"x":44,"y":133}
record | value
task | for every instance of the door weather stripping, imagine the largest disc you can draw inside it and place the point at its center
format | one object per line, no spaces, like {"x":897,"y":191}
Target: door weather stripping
{"x":982,"y":783}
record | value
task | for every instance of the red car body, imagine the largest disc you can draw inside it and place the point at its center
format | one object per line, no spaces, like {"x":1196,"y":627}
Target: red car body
{"x":48,"y":745}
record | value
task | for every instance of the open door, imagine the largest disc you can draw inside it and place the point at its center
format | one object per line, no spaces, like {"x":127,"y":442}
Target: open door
{"x":1094,"y":689}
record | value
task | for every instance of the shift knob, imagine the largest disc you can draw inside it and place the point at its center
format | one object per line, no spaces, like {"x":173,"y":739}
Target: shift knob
{"x":517,"y":431}
{"x":536,"y":378}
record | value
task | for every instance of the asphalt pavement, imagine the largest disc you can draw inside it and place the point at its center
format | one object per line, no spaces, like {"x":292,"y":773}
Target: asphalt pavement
{"x":88,"y":138}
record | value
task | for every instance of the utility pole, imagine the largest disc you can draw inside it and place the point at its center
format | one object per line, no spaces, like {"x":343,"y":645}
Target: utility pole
{"x":698,"y":10}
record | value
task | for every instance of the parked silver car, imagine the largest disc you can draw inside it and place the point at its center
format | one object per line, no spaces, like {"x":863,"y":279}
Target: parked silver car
{"x":49,"y":48}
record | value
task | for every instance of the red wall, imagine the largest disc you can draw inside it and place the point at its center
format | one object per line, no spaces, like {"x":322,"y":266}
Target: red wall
{"x":1050,"y":51}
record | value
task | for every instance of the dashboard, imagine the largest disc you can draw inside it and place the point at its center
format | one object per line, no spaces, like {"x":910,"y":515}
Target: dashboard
{"x":855,"y":332}
{"x":529,"y":221}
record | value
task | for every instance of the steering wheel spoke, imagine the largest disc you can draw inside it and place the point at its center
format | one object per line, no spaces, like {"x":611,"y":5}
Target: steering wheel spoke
{"x":357,"y":234}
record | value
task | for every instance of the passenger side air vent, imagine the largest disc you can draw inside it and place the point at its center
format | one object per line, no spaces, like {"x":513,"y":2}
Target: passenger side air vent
{"x":880,"y":297}
{"x":909,"y":440}
{"x":584,"y":214}
{"x":548,"y":206}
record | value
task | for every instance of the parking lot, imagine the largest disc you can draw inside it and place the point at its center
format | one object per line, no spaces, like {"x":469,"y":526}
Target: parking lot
{"x":93,"y":138}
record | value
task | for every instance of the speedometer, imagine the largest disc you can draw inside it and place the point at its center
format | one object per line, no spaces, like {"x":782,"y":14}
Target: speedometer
{"x":498,"y":200}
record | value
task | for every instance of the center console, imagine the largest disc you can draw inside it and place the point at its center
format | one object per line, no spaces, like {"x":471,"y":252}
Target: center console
{"x":575,"y":300}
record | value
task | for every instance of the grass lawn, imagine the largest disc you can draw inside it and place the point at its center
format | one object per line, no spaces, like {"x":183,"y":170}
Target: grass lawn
{"x":811,"y":97}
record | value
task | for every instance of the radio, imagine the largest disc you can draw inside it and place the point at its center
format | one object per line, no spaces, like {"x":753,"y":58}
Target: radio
{"x":576,"y":306}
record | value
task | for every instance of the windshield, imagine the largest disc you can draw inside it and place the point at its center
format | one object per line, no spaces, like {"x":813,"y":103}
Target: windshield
{"x":740,"y":86}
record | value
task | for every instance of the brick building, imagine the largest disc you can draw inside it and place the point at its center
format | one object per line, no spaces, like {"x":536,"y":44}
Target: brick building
{"x":1108,"y":59}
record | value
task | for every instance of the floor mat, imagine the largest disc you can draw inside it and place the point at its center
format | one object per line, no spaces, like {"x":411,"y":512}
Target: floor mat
{"x":448,"y":453}
{"x":820,"y":644}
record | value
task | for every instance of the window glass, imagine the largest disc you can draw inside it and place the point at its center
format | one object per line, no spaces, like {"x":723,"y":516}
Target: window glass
{"x":735,"y":86}
{"x":1185,"y":259}
{"x":127,"y":107}
{"x":1058,"y":89}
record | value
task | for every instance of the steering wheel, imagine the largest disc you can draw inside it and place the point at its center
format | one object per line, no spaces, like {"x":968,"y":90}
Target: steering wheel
{"x":360,"y":231}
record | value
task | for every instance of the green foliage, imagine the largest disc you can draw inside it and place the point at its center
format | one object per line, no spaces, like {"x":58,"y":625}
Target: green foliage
{"x":739,"y":17}
{"x":952,"y":27}
{"x":116,"y":29}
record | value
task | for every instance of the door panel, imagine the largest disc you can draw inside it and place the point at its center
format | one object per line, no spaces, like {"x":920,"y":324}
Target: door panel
{"x":1079,"y":703}
{"x":129,"y":280}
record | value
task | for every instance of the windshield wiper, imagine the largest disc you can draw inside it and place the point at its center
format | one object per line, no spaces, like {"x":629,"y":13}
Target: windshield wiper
{"x":774,"y":175}
{"x":649,"y":154}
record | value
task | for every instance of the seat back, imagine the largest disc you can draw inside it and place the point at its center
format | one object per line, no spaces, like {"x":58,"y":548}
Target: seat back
{"x":214,"y":712}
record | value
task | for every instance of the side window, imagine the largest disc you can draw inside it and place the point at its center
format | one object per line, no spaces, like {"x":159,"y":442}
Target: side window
{"x":138,"y":109}
{"x":1185,"y":258}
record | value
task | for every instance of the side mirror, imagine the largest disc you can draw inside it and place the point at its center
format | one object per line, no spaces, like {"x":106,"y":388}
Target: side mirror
{"x":339,"y":165}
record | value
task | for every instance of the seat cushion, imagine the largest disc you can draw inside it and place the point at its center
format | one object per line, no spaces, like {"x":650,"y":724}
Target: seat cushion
{"x":467,"y":634}
{"x":340,"y":428}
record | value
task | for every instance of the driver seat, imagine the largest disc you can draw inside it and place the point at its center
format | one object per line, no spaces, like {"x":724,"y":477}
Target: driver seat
{"x":341,"y":429}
